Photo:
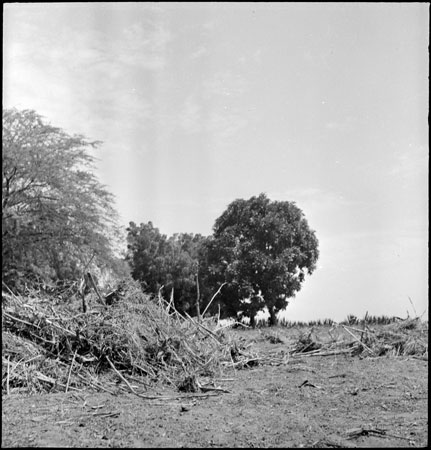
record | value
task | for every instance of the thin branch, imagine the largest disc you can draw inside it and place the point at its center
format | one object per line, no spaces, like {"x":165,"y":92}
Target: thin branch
{"x":119,"y":374}
{"x":213,"y":297}
{"x":93,"y":285}
{"x":358,"y":340}
{"x":70,"y":370}
{"x":19,"y":320}
{"x":214,"y":336}
{"x":8,"y":375}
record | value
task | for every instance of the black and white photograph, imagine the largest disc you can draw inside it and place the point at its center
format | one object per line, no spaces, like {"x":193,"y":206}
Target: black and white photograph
{"x":215,"y":224}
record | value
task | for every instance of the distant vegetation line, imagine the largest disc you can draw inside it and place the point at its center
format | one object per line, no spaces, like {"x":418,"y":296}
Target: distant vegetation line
{"x":349,"y":320}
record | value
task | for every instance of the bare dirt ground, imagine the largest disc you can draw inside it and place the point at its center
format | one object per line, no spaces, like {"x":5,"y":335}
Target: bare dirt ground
{"x":309,"y":401}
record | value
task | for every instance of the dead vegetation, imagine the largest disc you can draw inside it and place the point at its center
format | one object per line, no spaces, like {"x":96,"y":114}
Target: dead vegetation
{"x":137,"y":342}
{"x":407,"y":337}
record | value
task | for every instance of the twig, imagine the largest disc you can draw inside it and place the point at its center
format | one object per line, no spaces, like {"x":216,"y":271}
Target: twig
{"x":217,"y":389}
{"x":98,"y":385}
{"x":138,"y":380}
{"x":198,"y":294}
{"x":171,"y":301}
{"x":214,"y":336}
{"x":95,"y":384}
{"x":174,"y":397}
{"x":32,"y":359}
{"x":119,"y":374}
{"x":7,"y":379}
{"x":160,"y":295}
{"x":393,"y":435}
{"x":86,"y":314}
{"x":41,"y":377}
{"x":365,"y":325}
{"x":357,"y":329}
{"x":105,"y":414}
{"x":355,"y":432}
{"x":35,"y":326}
{"x":311,"y":352}
{"x":89,"y":262}
{"x":413,"y":306}
{"x":19,"y":320}
{"x":70,"y":333}
{"x":328,"y":353}
{"x":213,"y":297}
{"x":245,"y":361}
{"x":9,"y":289}
{"x":70,"y":370}
{"x":356,"y":339}
{"x":93,"y":285}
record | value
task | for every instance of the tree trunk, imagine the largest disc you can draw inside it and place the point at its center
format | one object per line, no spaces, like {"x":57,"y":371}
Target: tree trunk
{"x":272,"y":316}
{"x":253,"y":320}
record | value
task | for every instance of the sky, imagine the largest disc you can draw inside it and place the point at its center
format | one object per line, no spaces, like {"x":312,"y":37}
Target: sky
{"x":200,"y":104}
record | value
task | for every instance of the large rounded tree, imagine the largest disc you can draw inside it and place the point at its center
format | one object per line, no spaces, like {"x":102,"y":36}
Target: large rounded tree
{"x":263,"y":249}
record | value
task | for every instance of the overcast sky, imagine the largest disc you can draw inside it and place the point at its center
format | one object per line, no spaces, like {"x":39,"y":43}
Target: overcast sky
{"x":324,"y":104}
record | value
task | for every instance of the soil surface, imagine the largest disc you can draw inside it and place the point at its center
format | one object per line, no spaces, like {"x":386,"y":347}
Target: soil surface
{"x":321,"y":401}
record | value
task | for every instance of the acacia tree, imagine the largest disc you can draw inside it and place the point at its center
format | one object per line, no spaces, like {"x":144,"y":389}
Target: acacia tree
{"x":263,"y":249}
{"x":56,"y":215}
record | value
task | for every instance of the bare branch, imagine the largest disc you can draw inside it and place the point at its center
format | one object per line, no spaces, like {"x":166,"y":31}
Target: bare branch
{"x":213,"y":297}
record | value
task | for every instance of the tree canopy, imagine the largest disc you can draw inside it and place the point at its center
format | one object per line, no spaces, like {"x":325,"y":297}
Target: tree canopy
{"x":171,"y":263}
{"x":263,"y":249}
{"x":56,"y":215}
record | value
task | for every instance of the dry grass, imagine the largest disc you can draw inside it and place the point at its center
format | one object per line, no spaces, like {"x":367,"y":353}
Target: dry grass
{"x":46,"y":348}
{"x":402,"y":338}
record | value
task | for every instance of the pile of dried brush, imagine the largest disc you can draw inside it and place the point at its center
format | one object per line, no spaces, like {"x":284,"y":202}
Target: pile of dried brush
{"x":407,"y":337}
{"x":403,"y":338}
{"x":137,"y":339}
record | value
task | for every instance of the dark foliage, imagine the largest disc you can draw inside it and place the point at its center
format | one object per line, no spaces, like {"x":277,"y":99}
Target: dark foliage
{"x":263,"y":249}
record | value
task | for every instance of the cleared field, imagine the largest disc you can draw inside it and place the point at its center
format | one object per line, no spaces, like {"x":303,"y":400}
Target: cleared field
{"x":273,"y":398}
